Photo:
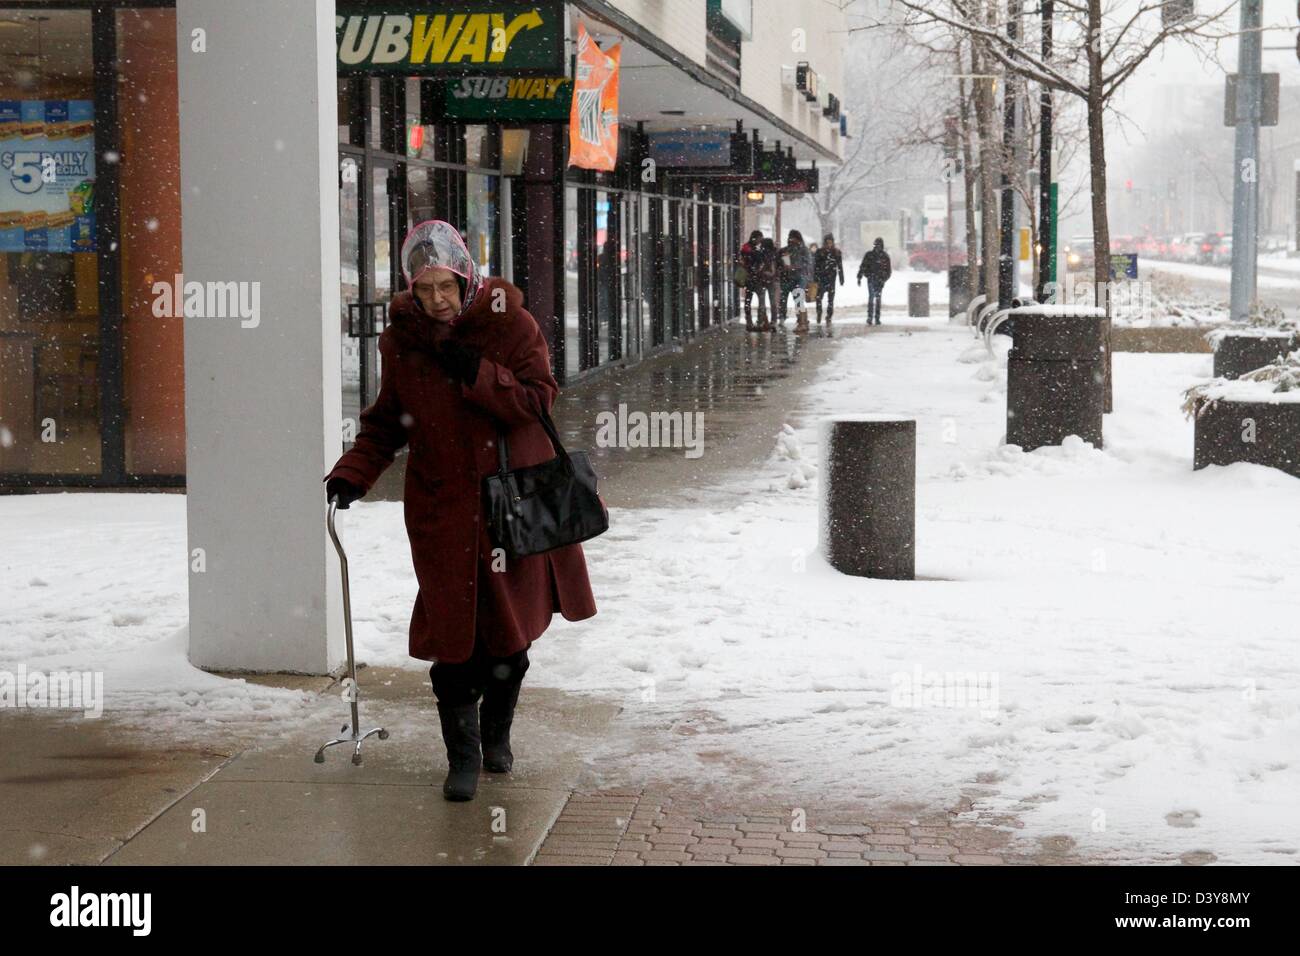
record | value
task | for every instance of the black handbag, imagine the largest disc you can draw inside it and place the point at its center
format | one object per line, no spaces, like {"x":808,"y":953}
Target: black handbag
{"x":546,"y":506}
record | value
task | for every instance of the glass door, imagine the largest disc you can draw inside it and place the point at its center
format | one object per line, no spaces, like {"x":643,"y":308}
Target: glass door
{"x":351,"y":268}
{"x":369,"y":215}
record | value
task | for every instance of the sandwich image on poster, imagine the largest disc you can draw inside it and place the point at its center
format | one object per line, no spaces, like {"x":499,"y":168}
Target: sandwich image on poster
{"x":47,"y":176}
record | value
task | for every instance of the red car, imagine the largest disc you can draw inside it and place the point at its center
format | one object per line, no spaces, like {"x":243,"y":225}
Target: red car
{"x":930,"y":257}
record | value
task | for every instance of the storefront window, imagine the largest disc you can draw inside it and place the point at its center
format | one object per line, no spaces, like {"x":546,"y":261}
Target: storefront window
{"x":607,"y":271}
{"x":480,"y":147}
{"x":350,"y":100}
{"x":645,"y":271}
{"x":572,"y":357}
{"x":634,"y":343}
{"x":480,"y":227}
{"x":50,"y":370}
{"x":153,"y":347}
{"x":372,"y":108}
{"x":419,"y":194}
{"x":421,"y":138}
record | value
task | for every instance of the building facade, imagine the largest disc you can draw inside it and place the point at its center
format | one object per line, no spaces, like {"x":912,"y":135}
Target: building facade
{"x":467,"y":125}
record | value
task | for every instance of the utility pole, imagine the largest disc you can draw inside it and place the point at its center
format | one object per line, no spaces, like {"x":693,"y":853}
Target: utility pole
{"x":1007,"y":259}
{"x":1046,"y":212}
{"x":1245,"y":189}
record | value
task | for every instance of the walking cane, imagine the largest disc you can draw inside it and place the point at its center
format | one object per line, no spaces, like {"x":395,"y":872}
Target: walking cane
{"x":353,"y":691}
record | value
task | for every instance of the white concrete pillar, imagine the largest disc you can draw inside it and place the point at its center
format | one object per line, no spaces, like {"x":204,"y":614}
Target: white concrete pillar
{"x":259,"y":192}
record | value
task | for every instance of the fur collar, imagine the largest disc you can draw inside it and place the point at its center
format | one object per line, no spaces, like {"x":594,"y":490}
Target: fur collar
{"x":416,"y":329}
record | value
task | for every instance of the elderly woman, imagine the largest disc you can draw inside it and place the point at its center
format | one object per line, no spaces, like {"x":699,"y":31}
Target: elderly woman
{"x":463,"y":361}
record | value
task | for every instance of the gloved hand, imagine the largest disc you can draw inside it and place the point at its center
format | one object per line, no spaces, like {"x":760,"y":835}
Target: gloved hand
{"x":458,"y":360}
{"x":859,"y":281}
{"x":342,"y":489}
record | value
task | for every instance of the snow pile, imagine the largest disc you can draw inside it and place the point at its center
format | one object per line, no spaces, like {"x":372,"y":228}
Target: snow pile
{"x":1072,"y":456}
{"x":788,"y":448}
{"x":89,"y":587}
{"x":1100,"y":642}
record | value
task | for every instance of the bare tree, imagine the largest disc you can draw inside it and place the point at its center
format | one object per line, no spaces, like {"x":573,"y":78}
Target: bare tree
{"x":1098,"y":47}
{"x":881,"y":153}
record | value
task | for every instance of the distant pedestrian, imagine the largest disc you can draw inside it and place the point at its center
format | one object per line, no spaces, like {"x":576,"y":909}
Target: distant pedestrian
{"x":877,"y":268}
{"x":796,"y":274}
{"x":753,"y":275}
{"x":828,"y":265}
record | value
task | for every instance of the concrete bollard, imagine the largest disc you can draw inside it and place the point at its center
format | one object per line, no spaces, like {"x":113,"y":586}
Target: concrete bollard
{"x":918,"y":300}
{"x":868,"y":496}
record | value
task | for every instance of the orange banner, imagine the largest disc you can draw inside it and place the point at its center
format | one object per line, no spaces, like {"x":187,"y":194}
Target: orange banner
{"x":593,"y":117}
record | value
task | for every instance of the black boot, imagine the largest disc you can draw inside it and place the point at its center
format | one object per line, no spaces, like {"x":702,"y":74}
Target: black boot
{"x":497,"y":713}
{"x":460,"y":732}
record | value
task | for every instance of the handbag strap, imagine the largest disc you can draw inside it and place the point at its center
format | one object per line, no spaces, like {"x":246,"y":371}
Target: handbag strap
{"x":503,"y":449}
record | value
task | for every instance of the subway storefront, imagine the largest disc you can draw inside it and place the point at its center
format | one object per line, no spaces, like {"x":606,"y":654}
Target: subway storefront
{"x":463,"y":115}
{"x":460,"y":115}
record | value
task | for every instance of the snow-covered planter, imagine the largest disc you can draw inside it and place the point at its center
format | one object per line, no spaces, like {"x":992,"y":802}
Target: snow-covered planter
{"x":1255,"y":418}
{"x":1055,"y":379}
{"x":1261,"y":341}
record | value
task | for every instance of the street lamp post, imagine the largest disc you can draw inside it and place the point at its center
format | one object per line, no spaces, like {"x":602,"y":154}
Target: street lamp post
{"x":1245,"y":189}
{"x":1007,"y":260}
{"x":1046,"y":212}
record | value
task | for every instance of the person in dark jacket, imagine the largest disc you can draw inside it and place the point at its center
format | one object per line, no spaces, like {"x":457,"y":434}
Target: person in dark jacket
{"x":463,"y":364}
{"x":877,"y":268}
{"x":828,"y":264}
{"x":796,"y":274}
{"x":753,"y":259}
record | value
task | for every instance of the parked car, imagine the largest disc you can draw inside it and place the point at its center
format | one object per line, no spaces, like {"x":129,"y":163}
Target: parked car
{"x":1178,"y":248}
{"x":1221,"y":254}
{"x":1205,"y":251}
{"x":1273,"y":244}
{"x":1190,"y":248}
{"x":929,"y":256}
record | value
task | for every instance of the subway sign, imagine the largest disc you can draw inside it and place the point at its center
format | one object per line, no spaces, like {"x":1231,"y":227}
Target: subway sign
{"x":522,"y":39}
{"x":532,"y":98}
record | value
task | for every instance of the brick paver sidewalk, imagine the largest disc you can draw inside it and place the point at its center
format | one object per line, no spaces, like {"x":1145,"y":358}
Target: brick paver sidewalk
{"x":637,"y":828}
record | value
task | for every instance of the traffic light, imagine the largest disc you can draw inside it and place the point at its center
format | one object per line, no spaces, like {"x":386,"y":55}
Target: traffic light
{"x":1128,"y":185}
{"x":950,"y":135}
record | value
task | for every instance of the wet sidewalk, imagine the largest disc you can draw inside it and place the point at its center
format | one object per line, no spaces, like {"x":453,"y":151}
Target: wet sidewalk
{"x":111,"y":791}
{"x":744,"y":383}
{"x":636,"y":827}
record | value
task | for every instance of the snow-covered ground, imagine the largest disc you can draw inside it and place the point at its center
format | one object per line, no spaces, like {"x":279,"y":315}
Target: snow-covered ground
{"x":1131,"y":623}
{"x":1221,"y":274}
{"x":1139,"y":618}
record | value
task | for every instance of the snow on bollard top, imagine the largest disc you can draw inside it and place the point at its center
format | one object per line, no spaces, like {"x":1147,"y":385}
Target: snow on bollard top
{"x":867,"y":417}
{"x":1060,"y":311}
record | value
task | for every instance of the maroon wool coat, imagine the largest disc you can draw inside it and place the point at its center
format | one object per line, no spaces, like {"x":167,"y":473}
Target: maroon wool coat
{"x":452,"y":430}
